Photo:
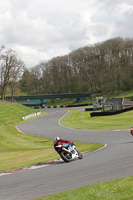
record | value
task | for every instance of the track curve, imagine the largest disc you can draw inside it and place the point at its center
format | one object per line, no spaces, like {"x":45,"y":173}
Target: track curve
{"x":112,"y":162}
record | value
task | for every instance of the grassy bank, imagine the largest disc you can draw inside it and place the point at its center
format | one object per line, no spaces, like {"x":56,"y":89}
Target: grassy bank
{"x":83,"y":120}
{"x":18,"y":150}
{"x":119,"y":189}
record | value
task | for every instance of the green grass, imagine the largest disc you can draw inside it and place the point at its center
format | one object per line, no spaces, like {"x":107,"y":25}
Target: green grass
{"x":126,"y":94}
{"x":122,"y":94}
{"x":18,"y":150}
{"x":83,"y":120}
{"x":119,"y":189}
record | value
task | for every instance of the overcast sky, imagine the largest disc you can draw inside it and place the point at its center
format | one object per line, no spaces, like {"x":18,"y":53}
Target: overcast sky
{"x":42,"y":29}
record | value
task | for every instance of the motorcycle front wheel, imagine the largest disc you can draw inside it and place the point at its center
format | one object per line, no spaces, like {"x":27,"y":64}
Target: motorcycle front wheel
{"x":80,"y":156}
{"x":65,"y":156}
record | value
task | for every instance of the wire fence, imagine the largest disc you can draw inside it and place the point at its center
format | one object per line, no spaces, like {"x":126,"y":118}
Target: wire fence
{"x":111,"y":106}
{"x":107,"y":106}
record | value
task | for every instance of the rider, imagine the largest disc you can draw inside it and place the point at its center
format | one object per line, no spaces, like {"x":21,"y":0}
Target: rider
{"x":59,"y":141}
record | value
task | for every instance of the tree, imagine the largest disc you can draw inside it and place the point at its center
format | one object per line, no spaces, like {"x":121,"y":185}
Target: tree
{"x":11,"y":67}
{"x":27,"y":82}
{"x":103,"y":67}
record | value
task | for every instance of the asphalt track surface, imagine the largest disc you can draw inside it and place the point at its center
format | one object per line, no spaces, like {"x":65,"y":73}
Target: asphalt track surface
{"x":114,"y":161}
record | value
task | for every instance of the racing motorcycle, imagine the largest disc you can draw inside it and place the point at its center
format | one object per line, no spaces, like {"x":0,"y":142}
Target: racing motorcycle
{"x":68,"y":152}
{"x":131,"y":131}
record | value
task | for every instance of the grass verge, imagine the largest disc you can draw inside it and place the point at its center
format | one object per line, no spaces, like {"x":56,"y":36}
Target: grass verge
{"x":83,"y":120}
{"x":119,"y":189}
{"x":18,"y":150}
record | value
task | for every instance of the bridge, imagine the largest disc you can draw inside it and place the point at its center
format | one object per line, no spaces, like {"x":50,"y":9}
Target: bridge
{"x":41,"y":99}
{"x":48,"y":96}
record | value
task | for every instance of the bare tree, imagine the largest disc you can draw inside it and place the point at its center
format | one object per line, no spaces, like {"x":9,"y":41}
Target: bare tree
{"x":11,"y":67}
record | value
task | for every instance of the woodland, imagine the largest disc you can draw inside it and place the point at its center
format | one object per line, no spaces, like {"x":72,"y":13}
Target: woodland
{"x":104,"y":67}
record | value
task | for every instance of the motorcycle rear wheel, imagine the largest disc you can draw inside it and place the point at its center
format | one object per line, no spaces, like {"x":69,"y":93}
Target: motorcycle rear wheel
{"x":65,"y":156}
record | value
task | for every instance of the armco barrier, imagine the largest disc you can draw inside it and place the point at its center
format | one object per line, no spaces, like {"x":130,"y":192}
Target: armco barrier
{"x":78,"y":105}
{"x":68,"y":106}
{"x":91,"y":109}
{"x":54,"y":107}
{"x":95,"y":114}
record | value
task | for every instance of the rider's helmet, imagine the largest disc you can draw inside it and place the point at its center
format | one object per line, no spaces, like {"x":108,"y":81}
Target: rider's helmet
{"x":57,"y":138}
{"x":131,"y":131}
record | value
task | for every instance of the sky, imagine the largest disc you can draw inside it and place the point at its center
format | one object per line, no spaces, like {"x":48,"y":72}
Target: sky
{"x":39,"y":30}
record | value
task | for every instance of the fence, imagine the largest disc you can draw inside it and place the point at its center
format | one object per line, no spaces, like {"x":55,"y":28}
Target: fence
{"x":111,"y":106}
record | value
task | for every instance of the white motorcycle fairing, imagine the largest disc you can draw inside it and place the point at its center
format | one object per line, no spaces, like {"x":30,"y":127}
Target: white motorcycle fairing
{"x":68,"y":152}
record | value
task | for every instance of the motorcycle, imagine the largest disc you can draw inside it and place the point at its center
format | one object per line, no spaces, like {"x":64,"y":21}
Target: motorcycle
{"x":131,"y":131}
{"x":68,"y":152}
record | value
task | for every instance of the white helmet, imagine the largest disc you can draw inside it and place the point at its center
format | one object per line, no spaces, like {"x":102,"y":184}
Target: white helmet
{"x":57,"y":138}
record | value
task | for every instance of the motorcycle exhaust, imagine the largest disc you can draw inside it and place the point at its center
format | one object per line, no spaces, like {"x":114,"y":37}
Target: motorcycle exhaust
{"x":66,"y":150}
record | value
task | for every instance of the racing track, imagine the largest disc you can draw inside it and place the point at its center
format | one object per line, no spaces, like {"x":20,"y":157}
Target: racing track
{"x":114,"y":161}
